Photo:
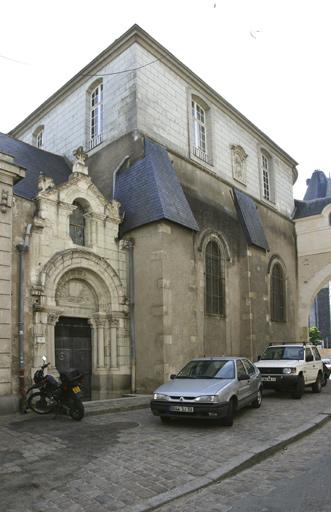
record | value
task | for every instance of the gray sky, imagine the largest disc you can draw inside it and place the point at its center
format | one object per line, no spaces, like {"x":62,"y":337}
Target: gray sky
{"x":269,"y":58}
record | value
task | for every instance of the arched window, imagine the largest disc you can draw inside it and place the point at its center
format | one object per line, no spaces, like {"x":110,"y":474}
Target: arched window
{"x":277,"y":294}
{"x":200,"y":121}
{"x":38,"y":137}
{"x":214,"y":280}
{"x":266,"y":175}
{"x":77,"y":224}
{"x":96,"y":115}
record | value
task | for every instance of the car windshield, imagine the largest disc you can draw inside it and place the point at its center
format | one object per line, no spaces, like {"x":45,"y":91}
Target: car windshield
{"x":279,"y":353}
{"x":221,"y":369}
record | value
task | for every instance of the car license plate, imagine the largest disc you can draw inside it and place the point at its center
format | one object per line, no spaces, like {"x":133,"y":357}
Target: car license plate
{"x":268,"y":379}
{"x":76,"y":389}
{"x":181,"y":408}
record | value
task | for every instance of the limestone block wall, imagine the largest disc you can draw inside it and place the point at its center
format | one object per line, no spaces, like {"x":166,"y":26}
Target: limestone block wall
{"x":156,"y":99}
{"x":247,"y":327}
{"x":166,"y":329}
{"x":9,"y":174}
{"x":66,"y":123}
{"x":164,"y":113}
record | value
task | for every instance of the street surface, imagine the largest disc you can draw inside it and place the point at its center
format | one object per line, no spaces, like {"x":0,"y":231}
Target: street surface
{"x":297,"y":479}
{"x":119,"y":461}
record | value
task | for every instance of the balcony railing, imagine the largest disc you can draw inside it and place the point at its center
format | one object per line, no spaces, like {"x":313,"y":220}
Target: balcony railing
{"x":200,"y":154}
{"x":92,"y":143}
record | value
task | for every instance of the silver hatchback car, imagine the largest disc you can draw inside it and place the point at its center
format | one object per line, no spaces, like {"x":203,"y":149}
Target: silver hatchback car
{"x":209,"y":387}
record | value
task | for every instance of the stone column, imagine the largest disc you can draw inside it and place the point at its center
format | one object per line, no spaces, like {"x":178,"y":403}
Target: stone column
{"x":100,"y":323}
{"x":9,"y":175}
{"x":52,"y":319}
{"x":94,"y":344}
{"x":113,"y":343}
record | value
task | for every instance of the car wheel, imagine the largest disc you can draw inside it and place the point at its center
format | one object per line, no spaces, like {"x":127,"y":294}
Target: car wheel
{"x":317,"y":386}
{"x":228,"y":419}
{"x":299,"y":388}
{"x":258,"y":400}
{"x":165,"y":419}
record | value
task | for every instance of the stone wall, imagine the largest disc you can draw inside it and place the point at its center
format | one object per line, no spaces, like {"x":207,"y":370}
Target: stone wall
{"x":9,"y":174}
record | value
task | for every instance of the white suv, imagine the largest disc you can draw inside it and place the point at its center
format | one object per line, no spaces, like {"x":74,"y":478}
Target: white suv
{"x":291,"y":367}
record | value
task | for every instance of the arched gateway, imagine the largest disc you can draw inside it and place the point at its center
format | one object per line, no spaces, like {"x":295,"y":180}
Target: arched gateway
{"x":314,"y":254}
{"x":82,"y":313}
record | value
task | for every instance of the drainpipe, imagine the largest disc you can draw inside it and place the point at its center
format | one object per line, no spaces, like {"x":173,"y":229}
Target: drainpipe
{"x":118,"y":168}
{"x":130,"y":245}
{"x":22,"y":248}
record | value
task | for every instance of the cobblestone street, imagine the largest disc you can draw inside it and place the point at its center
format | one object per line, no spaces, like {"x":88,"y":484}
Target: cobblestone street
{"x":123,"y":461}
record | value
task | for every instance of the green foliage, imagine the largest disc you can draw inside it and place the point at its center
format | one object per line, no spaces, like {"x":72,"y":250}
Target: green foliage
{"x":314,"y":335}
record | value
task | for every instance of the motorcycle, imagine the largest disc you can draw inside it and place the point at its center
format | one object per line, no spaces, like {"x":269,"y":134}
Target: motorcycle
{"x":54,"y":396}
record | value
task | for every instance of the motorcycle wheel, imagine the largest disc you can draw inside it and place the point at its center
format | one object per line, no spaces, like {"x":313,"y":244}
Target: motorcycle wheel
{"x":40,"y":403}
{"x":76,"y":410}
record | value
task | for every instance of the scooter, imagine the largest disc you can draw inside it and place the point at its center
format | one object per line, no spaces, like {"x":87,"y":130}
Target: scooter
{"x":54,"y":396}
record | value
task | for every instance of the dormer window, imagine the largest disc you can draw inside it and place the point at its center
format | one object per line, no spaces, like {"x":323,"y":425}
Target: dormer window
{"x":95,"y":116}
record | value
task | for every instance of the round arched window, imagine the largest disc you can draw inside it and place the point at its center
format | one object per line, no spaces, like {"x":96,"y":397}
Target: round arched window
{"x":278,"y":301}
{"x":215,"y":280}
{"x":77,"y":224}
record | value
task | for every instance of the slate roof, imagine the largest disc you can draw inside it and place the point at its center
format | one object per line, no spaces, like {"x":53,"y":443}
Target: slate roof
{"x":309,"y":208}
{"x":35,"y":161}
{"x":250,"y":220}
{"x":149,"y":191}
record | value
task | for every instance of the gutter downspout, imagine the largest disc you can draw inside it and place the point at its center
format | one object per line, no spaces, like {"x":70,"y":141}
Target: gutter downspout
{"x":130,"y":246}
{"x":118,"y":168}
{"x":22,"y":248}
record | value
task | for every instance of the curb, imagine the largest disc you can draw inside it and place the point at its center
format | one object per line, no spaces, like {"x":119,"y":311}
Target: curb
{"x":236,"y":465}
{"x":122,"y":404}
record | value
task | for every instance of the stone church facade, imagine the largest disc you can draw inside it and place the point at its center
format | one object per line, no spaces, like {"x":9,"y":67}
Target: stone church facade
{"x":168,"y":235}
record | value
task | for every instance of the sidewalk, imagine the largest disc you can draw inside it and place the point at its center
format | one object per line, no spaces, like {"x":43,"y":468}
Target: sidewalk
{"x":121,"y":458}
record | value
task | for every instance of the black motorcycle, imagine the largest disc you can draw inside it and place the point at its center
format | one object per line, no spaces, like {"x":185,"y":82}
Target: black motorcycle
{"x":54,"y":396}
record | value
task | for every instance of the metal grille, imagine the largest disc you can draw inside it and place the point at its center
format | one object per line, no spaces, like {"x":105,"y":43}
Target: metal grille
{"x":271,"y":371}
{"x":215,"y":280}
{"x":277,"y":294}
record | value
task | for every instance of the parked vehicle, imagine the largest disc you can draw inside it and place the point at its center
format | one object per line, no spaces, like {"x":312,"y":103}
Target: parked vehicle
{"x":326,"y":370}
{"x":48,"y":395}
{"x":291,"y":367}
{"x":213,"y":388}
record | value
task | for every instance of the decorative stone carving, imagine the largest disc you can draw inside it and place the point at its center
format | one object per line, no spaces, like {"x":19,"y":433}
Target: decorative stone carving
{"x":80,"y":155}
{"x":45,"y":183}
{"x":79,"y":165}
{"x":75,"y":292}
{"x":239,"y":163}
{"x":5,"y":201}
{"x":52,"y":317}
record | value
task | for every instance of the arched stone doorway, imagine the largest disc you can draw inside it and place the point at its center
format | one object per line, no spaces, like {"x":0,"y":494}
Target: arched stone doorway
{"x":73,"y":349}
{"x":84,"y":288}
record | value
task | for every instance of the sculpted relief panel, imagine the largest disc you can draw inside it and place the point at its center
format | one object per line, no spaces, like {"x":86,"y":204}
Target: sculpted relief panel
{"x":239,"y":163}
{"x":76,"y":293}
